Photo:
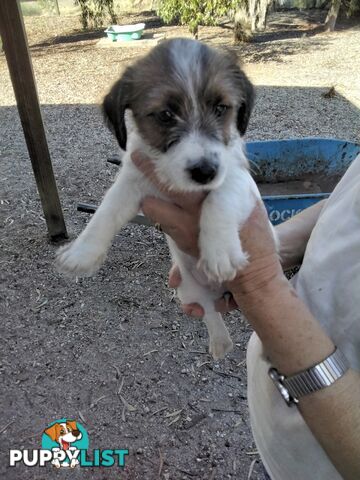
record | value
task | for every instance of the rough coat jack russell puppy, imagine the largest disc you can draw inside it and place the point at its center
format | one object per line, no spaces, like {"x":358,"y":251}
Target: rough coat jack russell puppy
{"x":188,"y":107}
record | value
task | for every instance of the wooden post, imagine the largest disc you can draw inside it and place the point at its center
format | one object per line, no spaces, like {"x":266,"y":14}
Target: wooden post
{"x":22,"y":76}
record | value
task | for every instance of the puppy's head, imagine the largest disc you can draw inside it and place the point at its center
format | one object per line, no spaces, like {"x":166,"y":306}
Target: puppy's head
{"x":64,"y":433}
{"x":191,"y":105}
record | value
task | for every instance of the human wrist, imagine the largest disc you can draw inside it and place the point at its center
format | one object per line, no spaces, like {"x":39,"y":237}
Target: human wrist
{"x":258,"y":279}
{"x":292,"y":339}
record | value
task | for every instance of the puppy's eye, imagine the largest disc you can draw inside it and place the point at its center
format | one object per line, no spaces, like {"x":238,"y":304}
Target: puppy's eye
{"x":165,"y":116}
{"x":220,"y":109}
{"x":171,"y":143}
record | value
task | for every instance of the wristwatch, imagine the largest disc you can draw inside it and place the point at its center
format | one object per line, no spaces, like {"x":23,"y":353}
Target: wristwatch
{"x":311,"y":380}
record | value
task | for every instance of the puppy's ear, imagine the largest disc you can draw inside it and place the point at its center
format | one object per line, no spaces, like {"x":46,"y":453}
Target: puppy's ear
{"x":114,"y":106}
{"x":246,"y":105}
{"x":245,"y":91}
{"x":72,"y":424}
{"x":53,"y":432}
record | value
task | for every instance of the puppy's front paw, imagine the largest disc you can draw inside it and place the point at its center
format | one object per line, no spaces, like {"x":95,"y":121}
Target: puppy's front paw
{"x":220,"y":346}
{"x":74,"y":463}
{"x":79,"y":258}
{"x":56,"y":463}
{"x":221,"y":263}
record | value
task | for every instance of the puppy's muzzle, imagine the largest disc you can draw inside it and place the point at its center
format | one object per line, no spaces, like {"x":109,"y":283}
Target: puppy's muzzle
{"x":203,"y":172}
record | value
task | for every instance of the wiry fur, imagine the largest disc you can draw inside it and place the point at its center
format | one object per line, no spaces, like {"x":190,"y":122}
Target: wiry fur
{"x":190,"y":80}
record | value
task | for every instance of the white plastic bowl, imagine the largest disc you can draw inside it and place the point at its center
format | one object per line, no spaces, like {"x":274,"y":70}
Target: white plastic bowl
{"x":125,"y":32}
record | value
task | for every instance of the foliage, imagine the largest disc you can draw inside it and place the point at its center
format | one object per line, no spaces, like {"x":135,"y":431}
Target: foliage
{"x":30,"y":9}
{"x":353,"y":8}
{"x":94,"y":12}
{"x":50,"y":6}
{"x":194,"y":12}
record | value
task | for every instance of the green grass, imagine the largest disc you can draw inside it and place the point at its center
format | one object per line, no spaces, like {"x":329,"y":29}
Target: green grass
{"x":68,"y":7}
{"x":35,"y":8}
{"x":31,"y":9}
{"x":133,"y":6}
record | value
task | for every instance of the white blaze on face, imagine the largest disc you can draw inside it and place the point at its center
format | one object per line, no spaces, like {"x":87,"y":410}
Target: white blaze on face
{"x":186,"y":59}
{"x":187,"y":66}
{"x":67,"y":438}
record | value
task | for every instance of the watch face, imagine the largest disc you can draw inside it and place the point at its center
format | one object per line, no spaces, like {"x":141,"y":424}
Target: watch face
{"x":284,"y":392}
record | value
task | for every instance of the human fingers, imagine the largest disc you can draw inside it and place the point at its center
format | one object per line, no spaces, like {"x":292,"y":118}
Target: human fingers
{"x":160,"y":211}
{"x":174,"y":277}
{"x":182,"y":226}
{"x":258,"y":242}
{"x":193,"y":309}
{"x":256,"y":234}
{"x":147,"y":167}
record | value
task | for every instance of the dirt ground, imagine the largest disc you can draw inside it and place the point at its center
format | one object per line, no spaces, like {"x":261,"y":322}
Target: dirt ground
{"x":68,"y":347}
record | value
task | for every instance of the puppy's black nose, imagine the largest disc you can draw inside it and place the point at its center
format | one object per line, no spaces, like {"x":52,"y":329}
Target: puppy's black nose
{"x":203,"y":171}
{"x":76,"y":433}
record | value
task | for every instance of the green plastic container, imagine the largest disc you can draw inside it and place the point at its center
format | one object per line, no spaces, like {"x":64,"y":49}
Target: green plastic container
{"x":125,"y":33}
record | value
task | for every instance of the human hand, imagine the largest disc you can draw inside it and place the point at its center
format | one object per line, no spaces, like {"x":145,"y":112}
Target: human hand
{"x":223,"y":304}
{"x":258,"y":241}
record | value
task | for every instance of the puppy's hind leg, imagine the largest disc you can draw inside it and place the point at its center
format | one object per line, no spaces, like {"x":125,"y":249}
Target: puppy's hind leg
{"x":220,"y":342}
{"x":190,"y":291}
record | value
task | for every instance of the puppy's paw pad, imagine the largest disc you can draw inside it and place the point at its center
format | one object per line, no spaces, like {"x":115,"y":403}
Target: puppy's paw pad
{"x":220,"y":346}
{"x":79,"y":259}
{"x":223,"y":266}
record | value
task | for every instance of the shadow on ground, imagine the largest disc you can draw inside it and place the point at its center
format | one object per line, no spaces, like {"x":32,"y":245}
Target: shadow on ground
{"x":287,"y":33}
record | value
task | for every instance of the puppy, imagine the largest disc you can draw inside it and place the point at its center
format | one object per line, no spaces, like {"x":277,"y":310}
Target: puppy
{"x":64,"y":434}
{"x":189,"y":108}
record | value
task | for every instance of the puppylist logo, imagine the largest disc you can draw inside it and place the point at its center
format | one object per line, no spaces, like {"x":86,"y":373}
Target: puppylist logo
{"x":65,"y":443}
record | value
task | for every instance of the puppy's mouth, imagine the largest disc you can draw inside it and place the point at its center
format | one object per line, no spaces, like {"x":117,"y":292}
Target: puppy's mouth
{"x":65,"y":445}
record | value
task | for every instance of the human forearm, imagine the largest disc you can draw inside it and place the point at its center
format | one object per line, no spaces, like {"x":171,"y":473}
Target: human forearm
{"x":294,"y":235}
{"x":333,"y":415}
{"x":293,"y":341}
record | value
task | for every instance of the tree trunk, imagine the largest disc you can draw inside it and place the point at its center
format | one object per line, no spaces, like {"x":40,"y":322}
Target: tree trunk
{"x":56,"y":7}
{"x":112,"y":11}
{"x":242,"y":25}
{"x":258,"y":10}
{"x":332,"y":15}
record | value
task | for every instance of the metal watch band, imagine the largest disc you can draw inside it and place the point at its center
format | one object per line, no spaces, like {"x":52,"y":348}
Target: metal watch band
{"x":311,"y":380}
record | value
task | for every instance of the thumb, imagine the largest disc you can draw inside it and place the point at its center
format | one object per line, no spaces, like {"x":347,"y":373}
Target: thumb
{"x":160,"y":211}
{"x":146,"y":167}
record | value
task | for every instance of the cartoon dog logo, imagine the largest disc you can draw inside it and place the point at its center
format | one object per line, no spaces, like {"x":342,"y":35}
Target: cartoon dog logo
{"x":64,"y":433}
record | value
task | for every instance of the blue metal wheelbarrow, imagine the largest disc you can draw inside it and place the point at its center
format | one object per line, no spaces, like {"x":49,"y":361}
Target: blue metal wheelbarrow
{"x":315,"y":163}
{"x":312,"y":166}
